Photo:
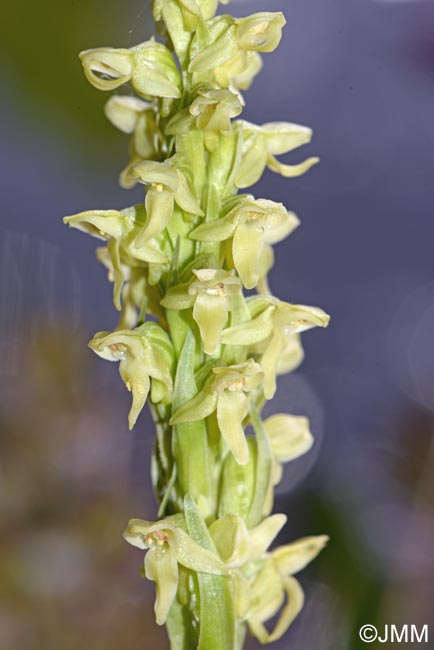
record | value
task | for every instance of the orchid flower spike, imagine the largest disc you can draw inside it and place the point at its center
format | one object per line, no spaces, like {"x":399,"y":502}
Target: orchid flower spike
{"x":191,"y":336}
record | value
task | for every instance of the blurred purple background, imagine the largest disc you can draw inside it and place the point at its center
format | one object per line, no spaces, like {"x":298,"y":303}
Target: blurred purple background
{"x":361,"y":74}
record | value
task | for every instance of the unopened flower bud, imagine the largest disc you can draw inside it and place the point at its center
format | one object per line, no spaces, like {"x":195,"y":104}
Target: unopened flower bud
{"x":260,"y":32}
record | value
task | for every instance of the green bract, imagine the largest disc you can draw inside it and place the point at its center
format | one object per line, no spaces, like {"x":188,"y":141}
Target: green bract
{"x":204,"y":355}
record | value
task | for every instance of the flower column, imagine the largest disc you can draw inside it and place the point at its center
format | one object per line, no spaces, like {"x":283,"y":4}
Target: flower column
{"x":205,"y":356}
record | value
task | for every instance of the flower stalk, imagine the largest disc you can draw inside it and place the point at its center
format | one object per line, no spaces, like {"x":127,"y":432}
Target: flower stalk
{"x":189,"y":342}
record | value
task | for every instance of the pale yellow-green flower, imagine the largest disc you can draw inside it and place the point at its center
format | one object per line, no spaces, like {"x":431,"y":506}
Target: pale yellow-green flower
{"x":167,"y":185}
{"x":137,"y":295}
{"x":252,"y":225}
{"x":120,"y":229}
{"x":261,"y":145}
{"x":267,"y":598}
{"x":168,"y":545}
{"x":226,"y":36}
{"x":124,"y":111}
{"x":273,"y":321}
{"x":238,"y":546}
{"x":260,"y":32}
{"x":238,"y":73}
{"x":213,"y":109}
{"x":149,"y":66}
{"x":269,"y":587}
{"x":146,"y":362}
{"x":225,"y":392}
{"x":262,"y":579}
{"x":107,"y":68}
{"x":210,"y":294}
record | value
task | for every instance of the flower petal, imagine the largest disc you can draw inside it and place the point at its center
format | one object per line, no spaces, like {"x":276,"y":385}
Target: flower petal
{"x":254,"y":331}
{"x":178,"y":297}
{"x":292,"y":558}
{"x":299,"y":318}
{"x":281,"y":229}
{"x":102,"y":224}
{"x":211,"y":314}
{"x":253,"y":163}
{"x":290,"y":171}
{"x":260,"y":32}
{"x":154,"y":72}
{"x":294,"y":605}
{"x":264,"y":534}
{"x":185,"y":198}
{"x":270,"y":362}
{"x":124,"y":111}
{"x":136,"y":378}
{"x":231,"y":411}
{"x":247,"y":246}
{"x":161,"y":567}
{"x":282,"y":137}
{"x":289,"y":436}
{"x":159,"y":208}
{"x":218,"y":230}
{"x":292,"y":355}
{"x":107,"y":68}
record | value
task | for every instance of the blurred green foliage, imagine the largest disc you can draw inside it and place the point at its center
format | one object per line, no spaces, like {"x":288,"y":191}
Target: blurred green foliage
{"x":40,"y":43}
